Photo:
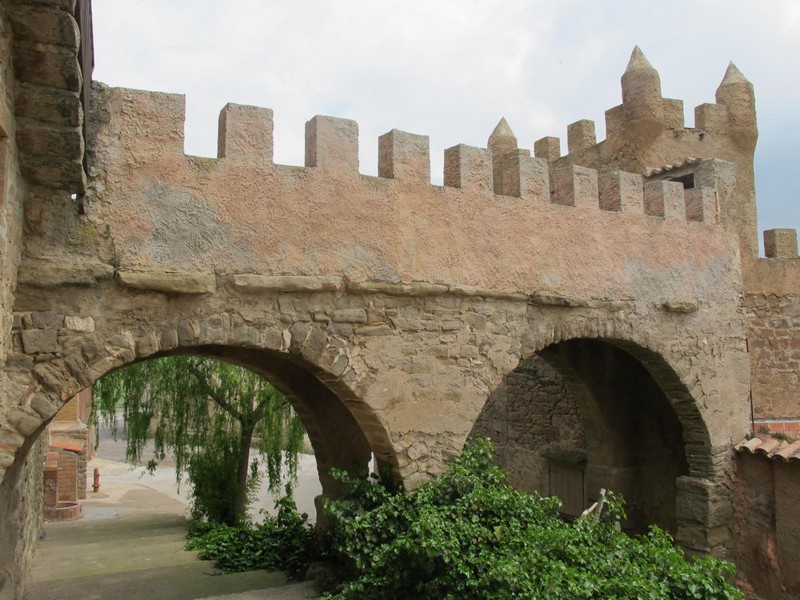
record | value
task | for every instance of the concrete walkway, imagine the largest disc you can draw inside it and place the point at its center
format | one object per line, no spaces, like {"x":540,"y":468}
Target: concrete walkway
{"x":130,"y":544}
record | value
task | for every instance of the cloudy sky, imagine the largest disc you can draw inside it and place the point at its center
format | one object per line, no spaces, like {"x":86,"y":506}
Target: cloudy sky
{"x":451,"y":68}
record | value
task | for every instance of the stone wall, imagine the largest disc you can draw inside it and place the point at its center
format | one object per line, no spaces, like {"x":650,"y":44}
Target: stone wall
{"x":389,"y":309}
{"x":767,"y":525}
{"x":772,"y":302}
{"x":531,"y":415}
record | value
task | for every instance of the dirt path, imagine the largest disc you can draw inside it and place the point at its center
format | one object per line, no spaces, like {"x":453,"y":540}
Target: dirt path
{"x":129,"y":544}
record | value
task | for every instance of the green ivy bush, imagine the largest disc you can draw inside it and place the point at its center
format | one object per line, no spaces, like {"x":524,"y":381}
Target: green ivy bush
{"x":285,"y":542}
{"x":470,"y":535}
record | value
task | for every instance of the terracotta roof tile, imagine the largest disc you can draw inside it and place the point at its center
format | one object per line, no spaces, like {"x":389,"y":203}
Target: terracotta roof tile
{"x":689,"y":160}
{"x":771,"y":448}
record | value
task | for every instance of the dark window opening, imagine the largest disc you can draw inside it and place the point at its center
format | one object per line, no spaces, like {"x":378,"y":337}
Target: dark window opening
{"x":686,"y":180}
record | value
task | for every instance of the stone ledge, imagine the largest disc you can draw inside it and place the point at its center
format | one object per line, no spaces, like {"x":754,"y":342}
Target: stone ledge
{"x":45,"y":273}
{"x":566,"y":301}
{"x":470,"y":292}
{"x":170,"y":282}
{"x":286,"y":283}
{"x":414,"y":288}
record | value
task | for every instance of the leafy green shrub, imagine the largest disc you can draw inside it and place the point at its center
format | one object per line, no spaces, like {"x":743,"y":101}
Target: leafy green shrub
{"x":470,"y":535}
{"x":283,"y":543}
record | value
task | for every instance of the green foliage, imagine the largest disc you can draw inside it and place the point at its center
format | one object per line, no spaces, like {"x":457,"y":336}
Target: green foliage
{"x":206,"y":413}
{"x":286,"y":542}
{"x":470,"y":535}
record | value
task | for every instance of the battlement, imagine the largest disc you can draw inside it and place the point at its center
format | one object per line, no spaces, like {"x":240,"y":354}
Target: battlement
{"x":644,"y":108}
{"x":646,"y":134}
{"x":245,"y":139}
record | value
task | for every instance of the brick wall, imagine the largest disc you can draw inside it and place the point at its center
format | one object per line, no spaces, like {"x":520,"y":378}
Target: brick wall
{"x":774,"y":343}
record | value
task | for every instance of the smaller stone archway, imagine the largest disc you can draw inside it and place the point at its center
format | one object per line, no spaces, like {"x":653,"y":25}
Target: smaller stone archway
{"x":589,"y":413}
{"x":343,"y":430}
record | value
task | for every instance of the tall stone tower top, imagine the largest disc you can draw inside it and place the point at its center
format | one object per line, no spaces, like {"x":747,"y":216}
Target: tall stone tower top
{"x":641,"y":83}
{"x":736,"y":93}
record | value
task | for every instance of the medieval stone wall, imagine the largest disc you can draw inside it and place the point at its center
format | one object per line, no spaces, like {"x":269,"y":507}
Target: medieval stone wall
{"x":386,"y":308}
{"x":772,"y":301}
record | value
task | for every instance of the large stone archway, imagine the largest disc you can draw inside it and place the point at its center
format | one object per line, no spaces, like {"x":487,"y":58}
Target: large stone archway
{"x":589,"y":413}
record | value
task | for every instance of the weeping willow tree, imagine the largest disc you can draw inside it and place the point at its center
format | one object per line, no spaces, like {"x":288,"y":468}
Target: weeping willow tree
{"x":208,"y":414}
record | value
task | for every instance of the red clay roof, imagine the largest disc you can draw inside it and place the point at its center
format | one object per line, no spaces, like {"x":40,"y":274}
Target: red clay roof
{"x":771,"y":448}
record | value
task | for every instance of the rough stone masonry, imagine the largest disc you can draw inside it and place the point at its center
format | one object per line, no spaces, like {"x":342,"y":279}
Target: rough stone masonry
{"x":386,"y":308}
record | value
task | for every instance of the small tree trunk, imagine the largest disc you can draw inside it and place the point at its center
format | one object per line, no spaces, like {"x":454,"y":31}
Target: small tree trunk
{"x":244,"y":467}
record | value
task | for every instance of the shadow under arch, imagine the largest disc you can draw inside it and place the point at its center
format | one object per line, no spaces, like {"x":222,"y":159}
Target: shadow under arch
{"x":589,"y":413}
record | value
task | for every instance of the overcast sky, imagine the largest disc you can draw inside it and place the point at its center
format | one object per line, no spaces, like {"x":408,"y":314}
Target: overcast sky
{"x":450,"y":69}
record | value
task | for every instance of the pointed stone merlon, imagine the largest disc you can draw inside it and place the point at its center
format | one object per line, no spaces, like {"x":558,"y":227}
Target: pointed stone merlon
{"x":581,"y":135}
{"x":641,"y":83}
{"x":780,"y":243}
{"x":548,"y":148}
{"x":575,"y":186}
{"x":642,"y":100}
{"x":245,"y":132}
{"x":332,"y":144}
{"x":468,"y":167}
{"x":502,"y":143}
{"x":735,"y":107}
{"x":157,"y":118}
{"x":404,"y":156}
{"x":736,"y":93}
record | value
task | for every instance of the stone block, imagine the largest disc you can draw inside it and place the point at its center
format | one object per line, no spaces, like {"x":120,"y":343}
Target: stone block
{"x":580,"y":135}
{"x":700,"y":204}
{"x":620,"y":191}
{"x":47,"y":320}
{"x":49,"y":105}
{"x":245,"y":133}
{"x":23,"y":420}
{"x":47,"y":68}
{"x":468,"y":167}
{"x":780,"y":243}
{"x":548,"y":148}
{"x":169,"y":282}
{"x":526,"y":177}
{"x":349,"y":315}
{"x":43,"y":140}
{"x":35,"y":341}
{"x":332,"y":144}
{"x":65,"y":5}
{"x":41,"y":24}
{"x":44,"y":273}
{"x":664,"y":199}
{"x":80,"y":324}
{"x":576,"y":186}
{"x":64,"y":173}
{"x":248,"y":282}
{"x":404,"y":156}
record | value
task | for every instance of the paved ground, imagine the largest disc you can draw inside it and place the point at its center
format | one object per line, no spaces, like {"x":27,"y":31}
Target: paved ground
{"x":130,"y":544}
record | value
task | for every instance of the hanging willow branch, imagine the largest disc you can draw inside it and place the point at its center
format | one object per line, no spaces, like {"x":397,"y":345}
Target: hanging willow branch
{"x":194,"y":405}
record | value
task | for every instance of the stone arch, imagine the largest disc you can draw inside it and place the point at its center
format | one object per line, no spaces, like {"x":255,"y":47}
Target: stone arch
{"x":699,"y":500}
{"x":343,"y":430}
